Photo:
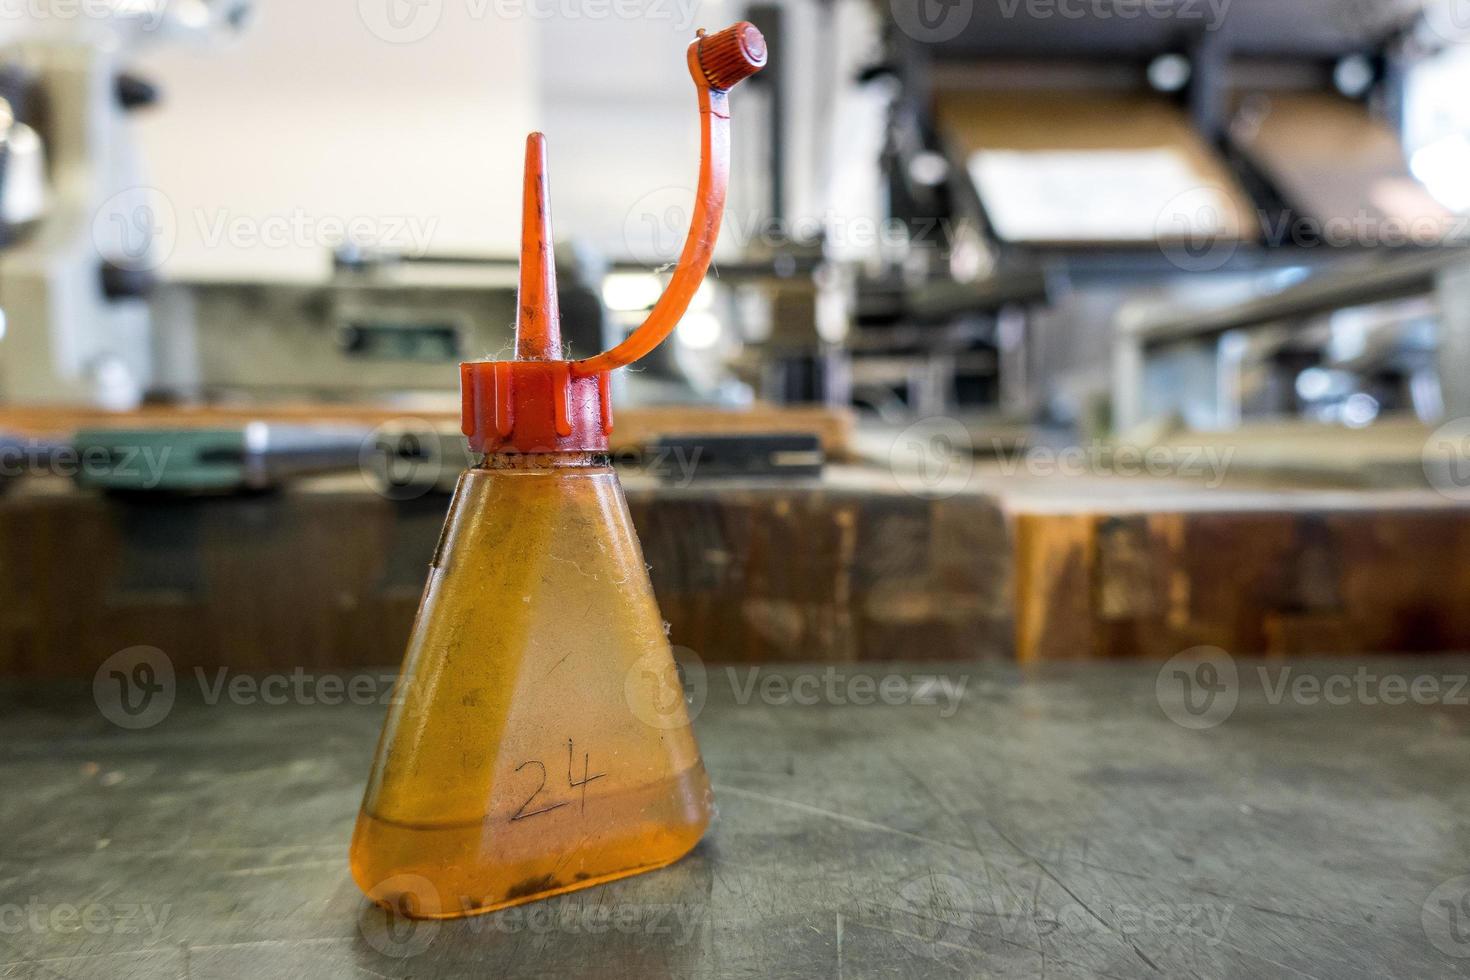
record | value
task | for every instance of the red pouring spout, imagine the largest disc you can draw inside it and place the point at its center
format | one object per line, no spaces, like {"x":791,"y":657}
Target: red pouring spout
{"x":540,"y":402}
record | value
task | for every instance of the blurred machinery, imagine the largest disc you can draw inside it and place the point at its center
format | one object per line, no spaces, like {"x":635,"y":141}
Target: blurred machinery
{"x":1018,"y":212}
{"x":89,"y":319}
{"x":382,"y":323}
{"x":79,"y":222}
{"x":1054,"y":167}
{"x":1381,"y":336}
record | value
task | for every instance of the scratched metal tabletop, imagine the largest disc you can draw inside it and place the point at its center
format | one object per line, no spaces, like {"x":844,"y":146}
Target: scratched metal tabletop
{"x":1077,"y":822}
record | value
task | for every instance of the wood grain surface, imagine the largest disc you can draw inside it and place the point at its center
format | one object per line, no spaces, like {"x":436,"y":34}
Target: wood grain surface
{"x":1295,"y":581}
{"x":321,"y":574}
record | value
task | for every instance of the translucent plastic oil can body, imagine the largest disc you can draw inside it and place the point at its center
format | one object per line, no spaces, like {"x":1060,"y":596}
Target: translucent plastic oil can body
{"x":538,"y":740}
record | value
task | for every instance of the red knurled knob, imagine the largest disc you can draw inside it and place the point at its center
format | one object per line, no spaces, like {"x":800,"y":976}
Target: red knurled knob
{"x":732,"y":55}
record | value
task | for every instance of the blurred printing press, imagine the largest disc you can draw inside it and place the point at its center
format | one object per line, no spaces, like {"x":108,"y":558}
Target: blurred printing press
{"x":1100,"y":226}
{"x":1082,"y":194}
{"x":78,"y":219}
{"x":92,"y":324}
{"x":89,"y":319}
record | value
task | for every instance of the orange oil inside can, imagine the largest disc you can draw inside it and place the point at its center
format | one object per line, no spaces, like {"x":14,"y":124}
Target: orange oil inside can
{"x":538,"y":740}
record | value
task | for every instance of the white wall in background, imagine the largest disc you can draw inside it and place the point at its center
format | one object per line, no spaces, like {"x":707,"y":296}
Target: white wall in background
{"x":623,"y":134}
{"x":326,"y":111}
{"x":310,"y":118}
{"x":618,"y":109}
{"x":1437,"y":126}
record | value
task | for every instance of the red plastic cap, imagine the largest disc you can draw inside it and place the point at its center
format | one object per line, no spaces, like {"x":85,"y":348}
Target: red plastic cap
{"x":534,"y":407}
{"x":533,"y":404}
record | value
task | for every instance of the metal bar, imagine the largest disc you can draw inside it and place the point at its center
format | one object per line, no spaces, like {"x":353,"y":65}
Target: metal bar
{"x":1372,"y":282}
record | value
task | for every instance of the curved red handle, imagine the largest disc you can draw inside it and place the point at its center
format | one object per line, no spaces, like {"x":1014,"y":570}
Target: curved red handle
{"x":717,"y":63}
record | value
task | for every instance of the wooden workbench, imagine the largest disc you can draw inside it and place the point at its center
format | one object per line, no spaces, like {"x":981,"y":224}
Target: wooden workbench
{"x":851,"y":567}
{"x":328,"y":573}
